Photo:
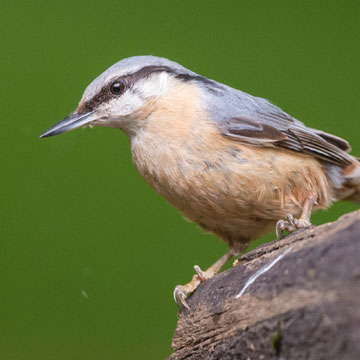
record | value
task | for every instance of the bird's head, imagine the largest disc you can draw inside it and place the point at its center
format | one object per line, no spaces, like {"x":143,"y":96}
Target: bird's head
{"x":115,"y":98}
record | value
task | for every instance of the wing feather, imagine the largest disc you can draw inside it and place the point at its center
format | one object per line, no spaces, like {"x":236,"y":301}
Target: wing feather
{"x":281,"y":130}
{"x":256,"y":121}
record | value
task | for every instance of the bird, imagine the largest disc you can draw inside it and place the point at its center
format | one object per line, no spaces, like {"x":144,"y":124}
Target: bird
{"x":235,"y":164}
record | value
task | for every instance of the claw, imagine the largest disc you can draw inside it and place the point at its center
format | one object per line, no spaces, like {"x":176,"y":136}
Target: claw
{"x":279,"y":229}
{"x":180,"y":296}
{"x":201,"y":274}
{"x":292,"y":220}
{"x":290,"y":225}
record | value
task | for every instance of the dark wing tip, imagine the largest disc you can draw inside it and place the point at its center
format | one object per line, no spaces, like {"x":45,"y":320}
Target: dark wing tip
{"x":335,"y":140}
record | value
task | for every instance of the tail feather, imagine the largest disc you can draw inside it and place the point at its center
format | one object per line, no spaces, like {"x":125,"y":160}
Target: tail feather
{"x":352,"y":181}
{"x":345,"y":182}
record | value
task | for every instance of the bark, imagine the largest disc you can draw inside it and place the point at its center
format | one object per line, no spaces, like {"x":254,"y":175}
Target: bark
{"x":305,"y":306}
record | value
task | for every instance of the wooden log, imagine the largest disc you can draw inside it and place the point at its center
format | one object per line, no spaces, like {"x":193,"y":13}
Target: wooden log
{"x":304,"y":305}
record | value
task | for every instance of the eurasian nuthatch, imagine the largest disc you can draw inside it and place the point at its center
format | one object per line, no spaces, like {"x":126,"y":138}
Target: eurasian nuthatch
{"x":233,"y":163}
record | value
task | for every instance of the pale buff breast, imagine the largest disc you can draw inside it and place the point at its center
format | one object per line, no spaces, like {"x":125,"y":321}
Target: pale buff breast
{"x":235,"y":190}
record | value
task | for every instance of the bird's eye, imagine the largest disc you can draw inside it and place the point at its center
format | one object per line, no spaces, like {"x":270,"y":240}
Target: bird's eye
{"x":117,"y":88}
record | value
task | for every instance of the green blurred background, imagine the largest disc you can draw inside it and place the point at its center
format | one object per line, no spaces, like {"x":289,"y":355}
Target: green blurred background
{"x":89,"y":254}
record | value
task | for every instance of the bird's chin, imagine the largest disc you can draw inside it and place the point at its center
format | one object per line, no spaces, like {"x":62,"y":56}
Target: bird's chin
{"x":93,"y":124}
{"x":89,"y":125}
{"x":112,"y":123}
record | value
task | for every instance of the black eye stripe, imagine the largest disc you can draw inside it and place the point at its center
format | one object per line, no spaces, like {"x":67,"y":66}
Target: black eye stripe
{"x":105,"y":94}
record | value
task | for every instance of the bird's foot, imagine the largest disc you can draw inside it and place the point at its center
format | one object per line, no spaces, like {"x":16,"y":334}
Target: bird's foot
{"x":290,"y":225}
{"x":181,"y":292}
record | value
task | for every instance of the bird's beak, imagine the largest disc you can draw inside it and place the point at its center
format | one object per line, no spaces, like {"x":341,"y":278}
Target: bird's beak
{"x":71,"y":122}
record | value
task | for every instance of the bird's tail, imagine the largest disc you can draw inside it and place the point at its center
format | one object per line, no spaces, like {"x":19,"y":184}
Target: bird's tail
{"x":351,"y":185}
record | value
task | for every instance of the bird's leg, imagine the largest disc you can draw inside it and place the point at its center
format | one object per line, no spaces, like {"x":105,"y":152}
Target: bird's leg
{"x":182,"y":291}
{"x":292,"y":223}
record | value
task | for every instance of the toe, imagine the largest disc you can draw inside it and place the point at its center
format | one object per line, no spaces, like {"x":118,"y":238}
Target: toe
{"x":280,"y":227}
{"x":201,"y":274}
{"x":293,"y":222}
{"x":303,"y":223}
{"x":289,"y":225}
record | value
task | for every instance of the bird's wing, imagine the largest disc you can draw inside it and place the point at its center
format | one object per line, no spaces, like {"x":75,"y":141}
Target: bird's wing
{"x":276,"y":128}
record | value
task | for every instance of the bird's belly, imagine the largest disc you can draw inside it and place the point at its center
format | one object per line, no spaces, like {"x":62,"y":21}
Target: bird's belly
{"x":237,"y":192}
